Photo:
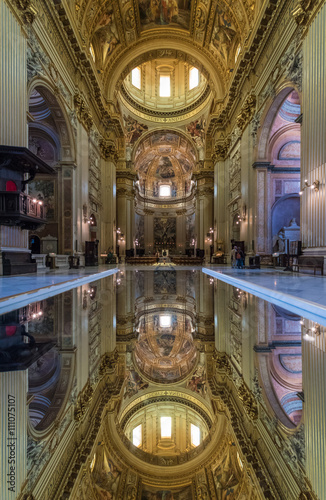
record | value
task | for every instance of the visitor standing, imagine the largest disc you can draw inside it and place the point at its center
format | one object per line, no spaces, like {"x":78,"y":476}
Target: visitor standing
{"x":233,"y":256}
{"x":240,"y":258}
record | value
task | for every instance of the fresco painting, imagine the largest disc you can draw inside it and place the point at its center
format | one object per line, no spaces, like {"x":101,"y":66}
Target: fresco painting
{"x":164,"y":12}
{"x":106,"y":35}
{"x":149,"y":493}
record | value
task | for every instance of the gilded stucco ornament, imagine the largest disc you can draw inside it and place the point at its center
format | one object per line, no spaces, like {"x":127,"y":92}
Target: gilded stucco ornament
{"x":249,"y":402}
{"x":27,"y":9}
{"x":220,"y":151}
{"x":302,"y":10}
{"x":291,"y":63}
{"x":108,"y":150}
{"x":83,"y":112}
{"x":83,"y":402}
{"x":247,"y":112}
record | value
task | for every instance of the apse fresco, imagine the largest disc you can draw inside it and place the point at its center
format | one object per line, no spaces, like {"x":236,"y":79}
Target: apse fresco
{"x":106,"y":36}
{"x":165,"y":168}
{"x":165,"y":230}
{"x":164,"y":12}
{"x":150,"y":493}
{"x":165,"y":282}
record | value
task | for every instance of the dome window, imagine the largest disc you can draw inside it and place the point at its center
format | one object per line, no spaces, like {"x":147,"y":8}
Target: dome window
{"x":166,"y":427}
{"x":165,"y":321}
{"x":195,"y":435}
{"x":165,"y":86}
{"x":193,"y":78}
{"x":165,"y":190}
{"x":137,"y":436}
{"x":136,"y":78}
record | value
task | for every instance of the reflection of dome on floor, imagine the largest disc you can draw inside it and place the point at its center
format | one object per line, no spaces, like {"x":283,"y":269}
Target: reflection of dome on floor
{"x":166,"y":428}
{"x":165,"y":350}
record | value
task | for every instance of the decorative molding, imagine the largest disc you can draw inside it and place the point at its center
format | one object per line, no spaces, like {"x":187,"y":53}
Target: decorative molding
{"x":247,"y":112}
{"x":108,"y":150}
{"x":83,"y":112}
{"x":302,"y":11}
{"x":83,"y":401}
{"x":27,"y":9}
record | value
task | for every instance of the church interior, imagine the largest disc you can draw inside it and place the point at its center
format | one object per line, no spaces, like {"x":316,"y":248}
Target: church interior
{"x":162,"y":249}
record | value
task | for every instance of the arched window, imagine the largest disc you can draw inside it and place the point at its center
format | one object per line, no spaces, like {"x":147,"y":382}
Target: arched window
{"x":136,"y":78}
{"x":193,"y":78}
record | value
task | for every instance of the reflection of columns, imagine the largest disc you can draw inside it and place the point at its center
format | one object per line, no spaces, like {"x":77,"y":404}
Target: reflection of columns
{"x":149,"y":230}
{"x":204,"y":209}
{"x":125,"y":210}
{"x":13,"y":433}
{"x":313,"y":166}
{"x":314,"y":386}
{"x":67,"y":213}
{"x":181,"y":231}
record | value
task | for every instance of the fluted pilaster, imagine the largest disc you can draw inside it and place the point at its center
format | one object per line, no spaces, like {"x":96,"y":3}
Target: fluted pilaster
{"x":313,"y":136}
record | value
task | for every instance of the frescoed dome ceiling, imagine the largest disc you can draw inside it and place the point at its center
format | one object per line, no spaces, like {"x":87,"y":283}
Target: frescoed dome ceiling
{"x":209,"y":30}
{"x":165,"y":155}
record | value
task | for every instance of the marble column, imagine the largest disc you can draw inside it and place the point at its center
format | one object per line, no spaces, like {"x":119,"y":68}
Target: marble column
{"x":220,"y":209}
{"x":263,"y":240}
{"x":313,"y":144}
{"x":125,"y":211}
{"x":108,"y":218}
{"x":67,"y":212}
{"x":204,"y":210}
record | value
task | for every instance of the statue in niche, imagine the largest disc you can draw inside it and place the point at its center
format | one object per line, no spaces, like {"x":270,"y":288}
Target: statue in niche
{"x":279,"y":242}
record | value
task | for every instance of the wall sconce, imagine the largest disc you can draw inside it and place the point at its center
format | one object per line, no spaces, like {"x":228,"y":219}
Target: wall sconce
{"x":120,"y":235}
{"x":88,"y":220}
{"x":242,"y":217}
{"x":40,"y":202}
{"x":315,"y":185}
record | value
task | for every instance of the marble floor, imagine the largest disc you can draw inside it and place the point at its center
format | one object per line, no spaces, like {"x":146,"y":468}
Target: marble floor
{"x":17,"y":291}
{"x":303,"y":294}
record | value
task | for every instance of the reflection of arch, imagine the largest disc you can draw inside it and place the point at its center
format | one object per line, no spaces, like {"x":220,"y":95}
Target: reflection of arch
{"x":284,"y":209}
{"x":53,"y":390}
